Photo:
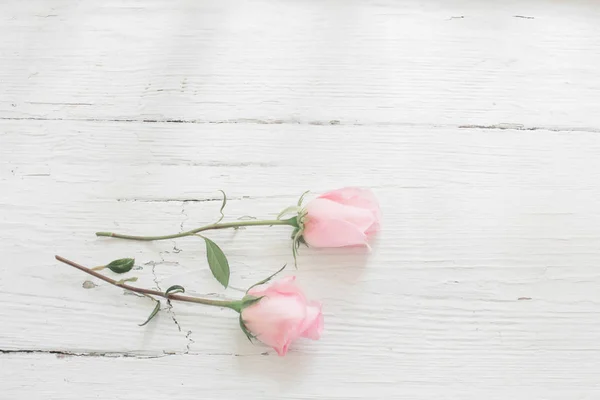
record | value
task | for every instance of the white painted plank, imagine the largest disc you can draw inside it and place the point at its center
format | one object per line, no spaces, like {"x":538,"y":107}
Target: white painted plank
{"x":352,"y":62}
{"x":474,"y":220}
{"x":528,"y":374}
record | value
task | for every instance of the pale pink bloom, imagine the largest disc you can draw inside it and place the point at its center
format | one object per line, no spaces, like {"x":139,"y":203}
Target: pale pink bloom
{"x":343,"y":217}
{"x":282,"y":315}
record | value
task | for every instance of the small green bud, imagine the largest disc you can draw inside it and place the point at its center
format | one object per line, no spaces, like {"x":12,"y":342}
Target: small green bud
{"x":175,"y":289}
{"x":122,"y":265}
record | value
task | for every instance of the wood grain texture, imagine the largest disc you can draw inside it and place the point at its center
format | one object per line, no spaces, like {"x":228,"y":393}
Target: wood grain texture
{"x":320,"y":62}
{"x":479,"y":135}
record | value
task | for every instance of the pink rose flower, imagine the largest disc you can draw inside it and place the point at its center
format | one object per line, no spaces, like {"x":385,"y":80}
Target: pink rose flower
{"x":282,"y":315}
{"x":343,"y":217}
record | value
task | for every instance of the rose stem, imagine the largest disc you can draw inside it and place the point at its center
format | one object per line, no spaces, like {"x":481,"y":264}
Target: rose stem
{"x":218,"y":303}
{"x":291,"y":222}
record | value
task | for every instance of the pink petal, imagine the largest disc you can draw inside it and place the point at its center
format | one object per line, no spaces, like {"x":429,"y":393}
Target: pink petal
{"x":373,"y":228}
{"x":325,"y":210}
{"x":357,"y":197}
{"x":285,"y":285}
{"x":333,"y":234}
{"x":276,"y":321}
{"x":353,"y":196}
{"x":282,"y":346}
{"x":313,"y":324}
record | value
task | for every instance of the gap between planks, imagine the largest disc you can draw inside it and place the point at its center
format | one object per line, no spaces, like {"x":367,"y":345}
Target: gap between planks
{"x":333,"y":122}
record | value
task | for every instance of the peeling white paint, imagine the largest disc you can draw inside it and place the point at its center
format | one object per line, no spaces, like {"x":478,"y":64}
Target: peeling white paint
{"x":475,"y":123}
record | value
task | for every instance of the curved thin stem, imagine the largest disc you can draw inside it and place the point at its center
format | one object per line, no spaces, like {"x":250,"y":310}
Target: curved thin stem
{"x":291,"y":222}
{"x":233,"y":304}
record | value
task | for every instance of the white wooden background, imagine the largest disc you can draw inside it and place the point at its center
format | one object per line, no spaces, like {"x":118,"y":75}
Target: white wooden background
{"x":475,"y":122}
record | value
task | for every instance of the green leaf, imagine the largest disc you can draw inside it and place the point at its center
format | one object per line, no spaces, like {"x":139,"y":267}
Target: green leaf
{"x":296,"y":246}
{"x":289,"y":210}
{"x":301,"y":199}
{"x":175,"y":289}
{"x":302,"y":241}
{"x":296,"y":230}
{"x":248,"y":300}
{"x":217,"y":262}
{"x":248,"y":334}
{"x":267,"y":279}
{"x":153,"y":313}
{"x":222,"y":207}
{"x":122,"y":265}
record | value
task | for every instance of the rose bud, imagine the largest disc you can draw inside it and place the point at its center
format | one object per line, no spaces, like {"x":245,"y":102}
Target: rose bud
{"x":281,"y":315}
{"x":343,"y":217}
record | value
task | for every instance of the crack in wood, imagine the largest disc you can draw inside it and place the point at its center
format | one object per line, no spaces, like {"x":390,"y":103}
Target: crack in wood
{"x":116,"y":354}
{"x":191,"y":200}
{"x":66,"y":353}
{"x":187,"y":121}
{"x":182,"y":200}
{"x":519,"y":127}
{"x":169,"y":308}
{"x":503,"y":126}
